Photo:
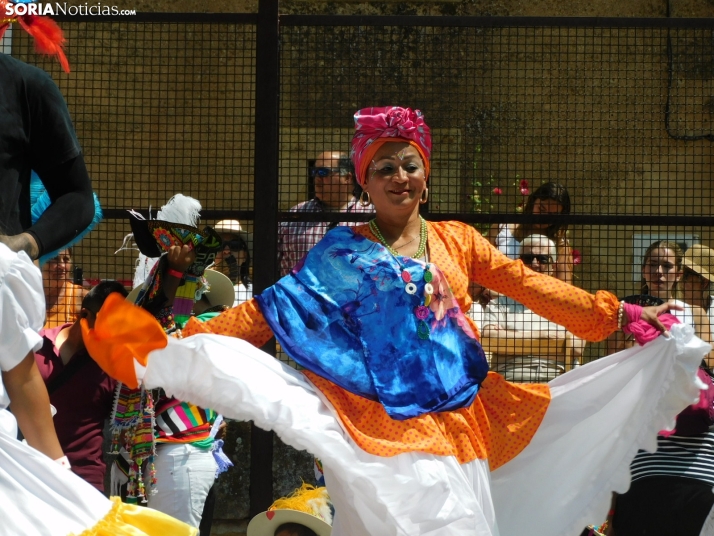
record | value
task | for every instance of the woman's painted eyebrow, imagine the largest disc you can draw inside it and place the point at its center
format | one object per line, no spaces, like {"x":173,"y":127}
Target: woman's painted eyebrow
{"x":395,"y":155}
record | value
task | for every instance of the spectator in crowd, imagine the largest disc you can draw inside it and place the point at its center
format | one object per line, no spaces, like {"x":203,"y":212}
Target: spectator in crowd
{"x":80,"y":391}
{"x":336,"y":190}
{"x":517,"y":332}
{"x":548,"y":198}
{"x":695,"y":285}
{"x":233,"y":260}
{"x":661,"y":269}
{"x":185,"y":465}
{"x":307,"y":512}
{"x":63,"y":298}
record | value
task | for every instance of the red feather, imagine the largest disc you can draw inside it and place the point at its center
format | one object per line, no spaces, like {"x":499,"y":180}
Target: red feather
{"x":48,"y":36}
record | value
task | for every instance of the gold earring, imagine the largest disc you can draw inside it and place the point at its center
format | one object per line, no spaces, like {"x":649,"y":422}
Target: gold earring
{"x":424,"y":196}
{"x":364,"y":202}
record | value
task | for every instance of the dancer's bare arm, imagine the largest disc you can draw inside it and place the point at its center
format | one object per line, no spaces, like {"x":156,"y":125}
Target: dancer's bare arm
{"x":30,"y":404}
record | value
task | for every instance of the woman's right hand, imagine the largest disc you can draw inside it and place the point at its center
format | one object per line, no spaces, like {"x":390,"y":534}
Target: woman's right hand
{"x":651,"y":314}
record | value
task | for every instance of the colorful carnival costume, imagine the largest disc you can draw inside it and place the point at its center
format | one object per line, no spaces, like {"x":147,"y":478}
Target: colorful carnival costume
{"x":40,"y":497}
{"x":570,"y":441}
{"x":174,"y":438}
{"x":416,"y":436}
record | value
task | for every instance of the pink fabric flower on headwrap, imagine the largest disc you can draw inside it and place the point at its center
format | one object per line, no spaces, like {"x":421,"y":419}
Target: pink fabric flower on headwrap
{"x":389,"y":123}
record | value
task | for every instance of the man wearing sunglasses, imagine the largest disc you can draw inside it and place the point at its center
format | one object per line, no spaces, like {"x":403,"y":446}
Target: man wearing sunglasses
{"x":336,"y":190}
{"x":527,"y":347}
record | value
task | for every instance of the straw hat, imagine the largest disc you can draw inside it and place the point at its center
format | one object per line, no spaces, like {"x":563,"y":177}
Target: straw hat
{"x":221,"y":291}
{"x":307,"y":499}
{"x":234,"y":227}
{"x":700,"y":259}
{"x":230,"y":227}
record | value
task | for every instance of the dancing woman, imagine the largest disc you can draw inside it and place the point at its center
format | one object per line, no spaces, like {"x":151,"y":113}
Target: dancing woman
{"x":416,"y":436}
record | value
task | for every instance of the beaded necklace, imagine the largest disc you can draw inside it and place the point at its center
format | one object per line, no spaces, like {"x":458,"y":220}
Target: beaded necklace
{"x":420,"y":311}
{"x":422,"y":238}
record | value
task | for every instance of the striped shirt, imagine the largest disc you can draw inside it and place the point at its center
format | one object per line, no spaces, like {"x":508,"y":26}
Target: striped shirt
{"x":181,"y":422}
{"x":679,"y":456}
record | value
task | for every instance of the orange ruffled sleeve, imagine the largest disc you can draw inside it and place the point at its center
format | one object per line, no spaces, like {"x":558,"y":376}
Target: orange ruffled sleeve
{"x":589,"y":316}
{"x":245,"y":321}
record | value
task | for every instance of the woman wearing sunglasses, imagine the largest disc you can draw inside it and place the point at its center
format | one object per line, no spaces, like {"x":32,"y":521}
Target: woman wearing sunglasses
{"x":415,"y":435}
{"x":233,"y":259}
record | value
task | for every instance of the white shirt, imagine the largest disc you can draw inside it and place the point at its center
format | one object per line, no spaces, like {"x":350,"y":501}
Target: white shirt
{"x":507,"y":313}
{"x":243,"y":293}
{"x":507,"y":244}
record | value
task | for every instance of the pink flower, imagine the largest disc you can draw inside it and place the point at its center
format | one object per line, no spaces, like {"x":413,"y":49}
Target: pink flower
{"x":524,"y":187}
{"x":577,"y":257}
{"x":497,"y":191}
{"x":443,"y":299}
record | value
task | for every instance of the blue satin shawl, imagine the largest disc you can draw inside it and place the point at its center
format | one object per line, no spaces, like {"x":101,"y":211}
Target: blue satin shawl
{"x":343,"y":313}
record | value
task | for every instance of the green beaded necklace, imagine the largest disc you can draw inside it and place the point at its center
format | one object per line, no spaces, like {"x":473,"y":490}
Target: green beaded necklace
{"x":420,"y":311}
{"x":422,"y":239}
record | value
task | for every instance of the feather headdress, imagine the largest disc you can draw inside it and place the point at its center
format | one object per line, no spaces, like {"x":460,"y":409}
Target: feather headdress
{"x":48,"y":36}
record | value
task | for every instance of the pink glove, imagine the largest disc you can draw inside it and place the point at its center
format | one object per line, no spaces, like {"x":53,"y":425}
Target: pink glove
{"x":643,"y":331}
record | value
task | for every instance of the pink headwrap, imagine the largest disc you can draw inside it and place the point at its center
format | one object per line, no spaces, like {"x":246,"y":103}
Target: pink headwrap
{"x":384,"y":124}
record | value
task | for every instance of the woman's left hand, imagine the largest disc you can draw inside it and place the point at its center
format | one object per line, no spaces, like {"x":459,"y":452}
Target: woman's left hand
{"x":651,"y":314}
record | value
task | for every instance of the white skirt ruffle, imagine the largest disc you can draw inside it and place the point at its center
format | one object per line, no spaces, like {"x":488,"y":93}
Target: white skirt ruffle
{"x":41,"y":498}
{"x":599,"y":416}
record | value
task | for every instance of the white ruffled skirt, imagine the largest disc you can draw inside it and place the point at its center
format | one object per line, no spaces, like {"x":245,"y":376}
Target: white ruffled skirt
{"x":38,"y":497}
{"x":599,"y":416}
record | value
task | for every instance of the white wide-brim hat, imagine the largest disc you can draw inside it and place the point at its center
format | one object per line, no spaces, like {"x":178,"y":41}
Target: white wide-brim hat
{"x":221,"y":291}
{"x":235,"y":228}
{"x":265,"y":523}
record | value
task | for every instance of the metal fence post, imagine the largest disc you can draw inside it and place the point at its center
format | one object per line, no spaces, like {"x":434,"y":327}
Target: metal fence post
{"x":266,"y":219}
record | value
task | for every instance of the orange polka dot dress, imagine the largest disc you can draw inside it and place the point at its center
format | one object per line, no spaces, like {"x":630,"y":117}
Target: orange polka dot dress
{"x":504,"y":416}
